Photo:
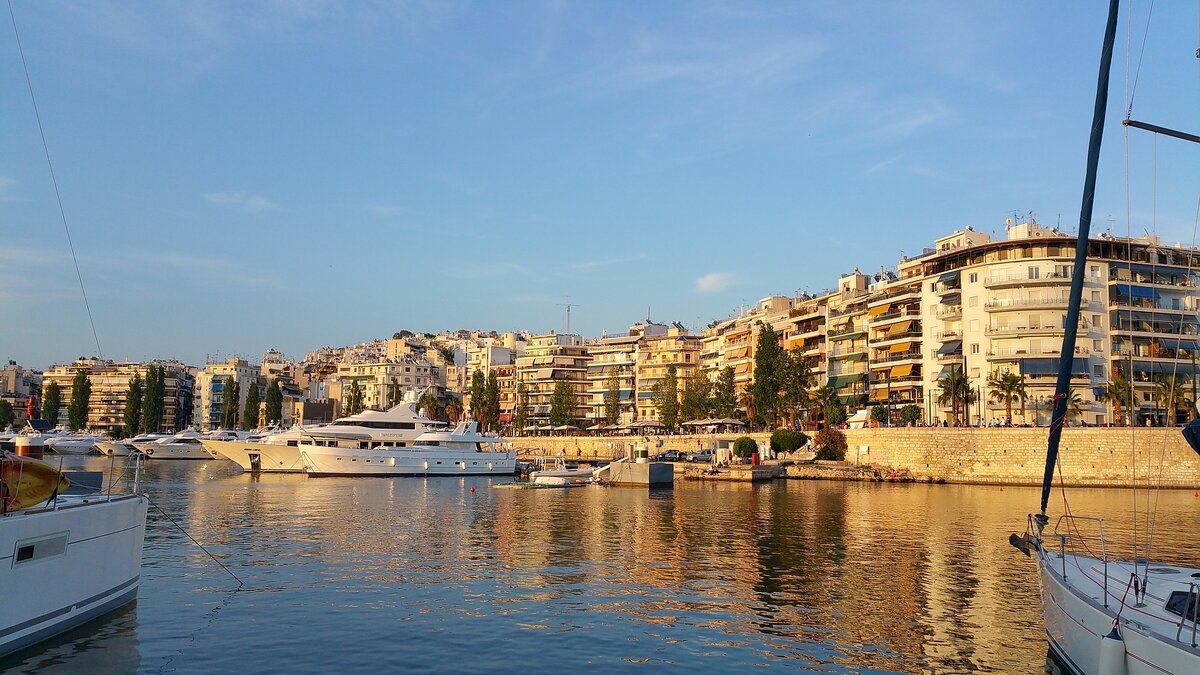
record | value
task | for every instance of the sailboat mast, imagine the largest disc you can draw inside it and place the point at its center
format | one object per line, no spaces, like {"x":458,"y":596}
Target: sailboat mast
{"x":1071,"y":324}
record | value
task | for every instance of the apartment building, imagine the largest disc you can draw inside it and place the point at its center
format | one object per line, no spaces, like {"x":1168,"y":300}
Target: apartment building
{"x":655,"y":355}
{"x":212,"y":383}
{"x":17,"y":384}
{"x":548,"y":359}
{"x":110,"y":386}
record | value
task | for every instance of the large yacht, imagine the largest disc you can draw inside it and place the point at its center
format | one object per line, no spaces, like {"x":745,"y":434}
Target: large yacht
{"x":398,"y":426}
{"x":127,"y":446}
{"x":183,"y":445}
{"x":461,"y":452}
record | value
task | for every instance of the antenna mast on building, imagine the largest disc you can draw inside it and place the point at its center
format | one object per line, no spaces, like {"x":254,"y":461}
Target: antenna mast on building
{"x":568,"y":305}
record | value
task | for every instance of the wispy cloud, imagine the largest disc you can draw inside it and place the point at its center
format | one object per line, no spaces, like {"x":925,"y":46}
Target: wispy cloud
{"x":384,"y":209}
{"x":714,"y":282}
{"x":8,"y":189}
{"x":241,"y":201}
{"x":588,"y":265}
{"x":880,"y":166}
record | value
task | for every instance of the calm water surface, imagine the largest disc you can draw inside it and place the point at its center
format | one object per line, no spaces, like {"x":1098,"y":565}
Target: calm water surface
{"x":408,"y":574}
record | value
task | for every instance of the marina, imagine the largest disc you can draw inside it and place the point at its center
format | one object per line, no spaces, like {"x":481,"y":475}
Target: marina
{"x":830,"y":576}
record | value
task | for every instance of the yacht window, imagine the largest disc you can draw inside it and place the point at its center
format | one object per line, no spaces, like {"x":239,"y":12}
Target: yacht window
{"x":1183,"y":604}
{"x":293,"y":444}
{"x":362,"y":445}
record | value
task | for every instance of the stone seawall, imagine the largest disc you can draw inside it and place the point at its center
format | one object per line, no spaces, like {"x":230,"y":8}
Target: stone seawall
{"x":1088,"y":456}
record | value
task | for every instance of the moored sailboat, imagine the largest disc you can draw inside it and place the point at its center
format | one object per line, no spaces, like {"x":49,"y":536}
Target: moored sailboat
{"x":1104,"y":616}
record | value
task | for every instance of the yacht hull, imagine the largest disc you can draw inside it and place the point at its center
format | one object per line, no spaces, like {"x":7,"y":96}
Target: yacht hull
{"x":62,"y":567}
{"x":1077,"y":621}
{"x":265,"y":457}
{"x":113,"y":448}
{"x":327,"y":461}
{"x":165,"y":451}
{"x":71,"y":447}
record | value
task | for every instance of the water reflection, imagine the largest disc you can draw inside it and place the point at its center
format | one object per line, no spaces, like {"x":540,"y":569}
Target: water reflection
{"x":397,"y":573}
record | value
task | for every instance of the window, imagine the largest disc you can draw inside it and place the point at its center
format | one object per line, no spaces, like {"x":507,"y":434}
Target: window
{"x":975,"y":348}
{"x":973,"y":301}
{"x":974,"y":324}
{"x":973,"y":277}
{"x":1097,"y":345}
{"x":1095,"y":296}
{"x":1035,"y":272}
{"x":974,"y":372}
{"x":1182,"y":603}
{"x":1094,"y":271}
{"x":1098,"y":372}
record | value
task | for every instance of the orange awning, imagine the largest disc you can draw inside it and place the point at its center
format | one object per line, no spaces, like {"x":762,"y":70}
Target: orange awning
{"x":881,"y":309}
{"x":879,"y":395}
{"x":742,"y":368}
{"x":739,"y":353}
{"x":900,"y":347}
{"x":898,"y":328}
{"x":902,"y":370}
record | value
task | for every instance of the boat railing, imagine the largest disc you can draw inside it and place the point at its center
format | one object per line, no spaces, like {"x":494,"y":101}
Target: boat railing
{"x":1070,"y":539}
{"x":1193,"y":605}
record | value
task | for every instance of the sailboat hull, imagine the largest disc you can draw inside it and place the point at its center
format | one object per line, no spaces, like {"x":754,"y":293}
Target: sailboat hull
{"x":1077,"y":620}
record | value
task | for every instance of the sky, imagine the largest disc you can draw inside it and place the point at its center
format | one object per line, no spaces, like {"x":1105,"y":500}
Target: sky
{"x":243,"y":176}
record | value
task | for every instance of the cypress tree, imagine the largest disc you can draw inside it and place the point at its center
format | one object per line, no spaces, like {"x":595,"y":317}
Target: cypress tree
{"x":612,"y":400}
{"x":666,"y":391}
{"x":148,"y":424}
{"x":7,"y":414}
{"x":160,"y":397}
{"x":725,"y":394}
{"x":491,"y":395}
{"x":81,"y":391}
{"x":133,"y":406}
{"x":521,"y":408}
{"x":51,"y":403}
{"x":274,"y":402}
{"x":250,"y":414}
{"x":562,"y":404}
{"x":768,"y":375}
{"x":229,"y":404}
{"x":478,"y":396}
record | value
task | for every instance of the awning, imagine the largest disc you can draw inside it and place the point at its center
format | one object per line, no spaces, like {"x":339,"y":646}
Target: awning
{"x":847,"y":336}
{"x":850,"y":399}
{"x":898,"y":328}
{"x":951,"y":347}
{"x":903,"y":370}
{"x":742,"y":368}
{"x":881,"y":309}
{"x":843,"y":380}
{"x":949,"y":277}
{"x":645,"y":394}
{"x":624,"y":395}
{"x":856,"y":356}
{"x":1175,"y":343}
{"x":1156,"y":368}
{"x":1098,"y":392}
{"x":1138,"y":291}
{"x":945,"y":371}
{"x":900,"y":347}
{"x":1050,"y":366}
{"x":738,"y":353}
{"x":879,"y":395}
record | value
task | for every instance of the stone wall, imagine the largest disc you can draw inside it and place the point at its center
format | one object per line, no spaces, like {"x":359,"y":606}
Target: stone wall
{"x":1088,"y":456}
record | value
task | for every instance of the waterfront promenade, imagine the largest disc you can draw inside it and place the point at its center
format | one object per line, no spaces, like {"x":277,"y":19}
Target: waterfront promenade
{"x":1091,"y":456}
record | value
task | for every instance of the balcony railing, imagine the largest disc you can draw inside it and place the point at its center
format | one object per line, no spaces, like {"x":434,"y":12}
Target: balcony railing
{"x":1030,"y":330}
{"x":902,"y":356}
{"x":898,"y":314}
{"x":1146,"y":303}
{"x":956,"y":357}
{"x":1019,"y":353}
{"x":888,"y":337}
{"x":1022,"y":303}
{"x":949,"y":312}
{"x":997,"y":280}
{"x":955,"y":334}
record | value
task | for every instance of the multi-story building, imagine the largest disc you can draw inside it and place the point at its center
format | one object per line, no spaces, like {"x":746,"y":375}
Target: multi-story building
{"x":17,"y":384}
{"x":109,"y":384}
{"x":379,"y":380}
{"x":656,"y":355}
{"x":214,"y":380}
{"x":548,"y":359}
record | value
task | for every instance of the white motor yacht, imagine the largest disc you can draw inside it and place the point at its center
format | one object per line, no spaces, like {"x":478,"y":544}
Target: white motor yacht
{"x":399,"y":426}
{"x":127,"y":446}
{"x":183,"y":445}
{"x":64,"y":558}
{"x":461,"y":452}
{"x":72,"y":443}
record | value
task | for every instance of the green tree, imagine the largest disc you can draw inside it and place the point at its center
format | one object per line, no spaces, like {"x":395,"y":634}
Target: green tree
{"x":745,"y":446}
{"x":1074,"y":404}
{"x":395,"y":393}
{"x":7,"y":415}
{"x":229,"y":404}
{"x":81,"y":391}
{"x":1006,"y":388}
{"x":521,"y":408}
{"x":696,"y":400}
{"x":666,"y":394}
{"x":159,"y":394}
{"x":612,"y":399}
{"x":769,"y":369}
{"x":562,"y":404}
{"x":725,"y":394}
{"x":147,"y":422}
{"x":274,"y":408}
{"x":796,"y":380}
{"x":354,"y":398}
{"x":491,"y":396}
{"x":133,"y":406}
{"x":831,"y":444}
{"x":786,"y":440}
{"x":910,"y":414}
{"x":478,"y":393}
{"x":826,"y":402}
{"x":956,"y":392}
{"x":454,"y":411}
{"x":250,"y":413}
{"x":430,"y":404}
{"x":51,"y":403}
{"x":1169,"y":393}
{"x":1119,"y":394}
{"x":880,"y":414}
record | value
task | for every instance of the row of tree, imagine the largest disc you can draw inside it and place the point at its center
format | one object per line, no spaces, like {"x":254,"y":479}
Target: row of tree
{"x":485,"y":400}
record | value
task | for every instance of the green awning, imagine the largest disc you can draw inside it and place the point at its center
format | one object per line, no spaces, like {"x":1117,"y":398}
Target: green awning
{"x":847,"y":336}
{"x":843,"y":380}
{"x":856,"y":356}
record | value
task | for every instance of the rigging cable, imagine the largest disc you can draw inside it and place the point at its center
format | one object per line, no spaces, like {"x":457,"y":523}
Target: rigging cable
{"x":54,"y":180}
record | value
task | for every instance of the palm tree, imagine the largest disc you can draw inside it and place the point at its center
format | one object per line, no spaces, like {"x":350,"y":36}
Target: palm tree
{"x":746,"y":401}
{"x":454,"y":410}
{"x":823,"y":399}
{"x":1006,"y":388}
{"x":1169,"y":393}
{"x":429,"y":403}
{"x":1119,"y":394}
{"x":956,"y":389}
{"x":1074,"y":404}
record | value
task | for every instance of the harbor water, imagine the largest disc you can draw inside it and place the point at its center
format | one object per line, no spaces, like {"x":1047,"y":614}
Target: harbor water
{"x":418,"y":575}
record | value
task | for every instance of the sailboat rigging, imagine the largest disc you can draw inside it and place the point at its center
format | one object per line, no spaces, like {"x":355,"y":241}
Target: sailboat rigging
{"x":1101,"y":616}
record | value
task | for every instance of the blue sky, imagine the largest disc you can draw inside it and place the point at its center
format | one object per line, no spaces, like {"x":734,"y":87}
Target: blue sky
{"x":240,"y":176}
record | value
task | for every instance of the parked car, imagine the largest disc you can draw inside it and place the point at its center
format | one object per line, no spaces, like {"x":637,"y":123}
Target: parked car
{"x":669,"y":456}
{"x":704,"y":456}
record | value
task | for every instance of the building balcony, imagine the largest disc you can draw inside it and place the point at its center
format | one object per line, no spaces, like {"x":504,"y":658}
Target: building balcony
{"x":1018,"y":304}
{"x":956,"y":357}
{"x":1144,"y":303}
{"x":1023,"y":280}
{"x":999,"y":331}
{"x":947,"y":335}
{"x":890,"y":338}
{"x":894,"y":315}
{"x":912,"y":355}
{"x":948,"y":312}
{"x":1006,"y":354}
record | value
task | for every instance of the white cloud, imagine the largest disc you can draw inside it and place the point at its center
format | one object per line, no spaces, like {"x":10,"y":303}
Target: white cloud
{"x":714,"y":282}
{"x":384,"y":209}
{"x":587,"y":265}
{"x":8,"y":192}
{"x":240,"y":201}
